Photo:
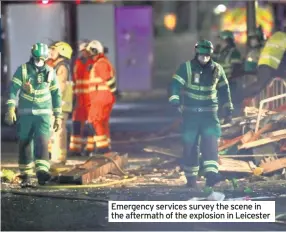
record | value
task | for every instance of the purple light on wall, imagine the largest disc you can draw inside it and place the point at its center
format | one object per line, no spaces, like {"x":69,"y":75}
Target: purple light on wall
{"x":134,"y":45}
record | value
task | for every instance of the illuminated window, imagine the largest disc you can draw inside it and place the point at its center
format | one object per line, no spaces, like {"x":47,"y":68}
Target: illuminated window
{"x":170,"y":21}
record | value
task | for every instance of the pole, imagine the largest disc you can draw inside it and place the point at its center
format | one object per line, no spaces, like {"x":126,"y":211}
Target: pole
{"x":71,"y":28}
{"x":251,"y":18}
{"x":193,"y":25}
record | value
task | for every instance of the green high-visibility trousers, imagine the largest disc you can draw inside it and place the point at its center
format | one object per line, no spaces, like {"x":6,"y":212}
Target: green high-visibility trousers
{"x":34,"y":133}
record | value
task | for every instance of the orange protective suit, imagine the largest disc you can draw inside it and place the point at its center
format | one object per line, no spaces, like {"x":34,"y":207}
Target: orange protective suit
{"x":102,"y":89}
{"x":81,"y":77}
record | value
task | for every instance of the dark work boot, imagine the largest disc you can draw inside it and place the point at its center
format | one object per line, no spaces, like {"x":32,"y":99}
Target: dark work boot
{"x":192,"y":183}
{"x":212,"y":179}
{"x":43,"y":177}
{"x":26,"y":182}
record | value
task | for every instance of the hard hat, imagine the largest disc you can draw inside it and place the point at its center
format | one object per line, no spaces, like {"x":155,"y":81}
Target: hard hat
{"x":82,"y":44}
{"x":204,"y":47}
{"x":63,"y":48}
{"x":95,"y":47}
{"x":40,"y":50}
{"x":226,"y":35}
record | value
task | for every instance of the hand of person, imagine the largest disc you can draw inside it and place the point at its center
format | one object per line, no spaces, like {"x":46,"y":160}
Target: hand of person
{"x":57,"y":124}
{"x":228,"y":116}
{"x":10,"y":116}
{"x":227,"y":119}
{"x":28,"y":88}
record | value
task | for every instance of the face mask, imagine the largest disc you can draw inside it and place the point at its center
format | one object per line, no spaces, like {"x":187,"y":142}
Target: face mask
{"x":39,"y":63}
{"x":203,"y":59}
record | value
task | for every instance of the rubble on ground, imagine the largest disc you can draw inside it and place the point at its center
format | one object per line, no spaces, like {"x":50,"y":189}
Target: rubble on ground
{"x":252,"y":149}
{"x":253,"y":145}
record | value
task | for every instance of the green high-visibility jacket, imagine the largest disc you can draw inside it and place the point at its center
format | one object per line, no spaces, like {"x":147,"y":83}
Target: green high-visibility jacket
{"x":45,"y":97}
{"x":228,"y":58}
{"x":196,"y":86}
{"x":274,"y":50}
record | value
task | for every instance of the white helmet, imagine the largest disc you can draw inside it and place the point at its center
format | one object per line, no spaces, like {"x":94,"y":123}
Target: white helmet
{"x":82,"y":45}
{"x":95,"y":47}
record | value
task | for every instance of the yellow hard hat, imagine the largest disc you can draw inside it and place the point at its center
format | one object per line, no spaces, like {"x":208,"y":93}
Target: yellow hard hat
{"x":95,"y":47}
{"x":63,"y":48}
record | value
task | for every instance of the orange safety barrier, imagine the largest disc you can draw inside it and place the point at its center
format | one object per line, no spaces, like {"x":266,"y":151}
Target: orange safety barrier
{"x":276,"y":87}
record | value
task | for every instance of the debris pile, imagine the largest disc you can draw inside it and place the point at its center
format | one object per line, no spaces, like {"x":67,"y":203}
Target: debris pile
{"x":254,"y":144}
{"x":261,"y":142}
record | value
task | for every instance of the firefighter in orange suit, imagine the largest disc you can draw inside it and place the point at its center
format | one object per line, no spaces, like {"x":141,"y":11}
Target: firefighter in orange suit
{"x":60,"y":55}
{"x":102,"y":95}
{"x":82,"y":104}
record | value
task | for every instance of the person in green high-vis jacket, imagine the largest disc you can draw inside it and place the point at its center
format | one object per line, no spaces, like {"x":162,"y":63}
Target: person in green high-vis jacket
{"x":196,"y":89}
{"x":229,"y":57}
{"x":256,"y":43}
{"x":39,"y":97}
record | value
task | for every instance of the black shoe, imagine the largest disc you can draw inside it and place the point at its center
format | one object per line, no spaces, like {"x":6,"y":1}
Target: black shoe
{"x":212,"y":179}
{"x":43,"y":177}
{"x":26,"y":182}
{"x":192,"y":183}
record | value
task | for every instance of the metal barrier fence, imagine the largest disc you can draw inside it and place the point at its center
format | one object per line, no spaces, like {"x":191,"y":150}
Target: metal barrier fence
{"x":276,"y":87}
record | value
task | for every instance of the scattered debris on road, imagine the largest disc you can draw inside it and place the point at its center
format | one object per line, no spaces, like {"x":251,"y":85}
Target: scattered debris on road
{"x":257,"y":131}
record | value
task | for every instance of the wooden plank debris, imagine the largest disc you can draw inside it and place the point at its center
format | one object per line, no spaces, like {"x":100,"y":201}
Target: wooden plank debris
{"x":273,"y":137}
{"x":243,"y":139}
{"x":273,"y":165}
{"x":232,"y":165}
{"x":264,"y":129}
{"x":229,"y":143}
{"x":247,"y":136}
{"x":253,"y":111}
{"x":93,"y":168}
{"x":283,"y":146}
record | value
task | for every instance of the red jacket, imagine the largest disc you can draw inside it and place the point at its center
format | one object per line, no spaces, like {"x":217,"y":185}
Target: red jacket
{"x":102,"y":81}
{"x":81,"y":75}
